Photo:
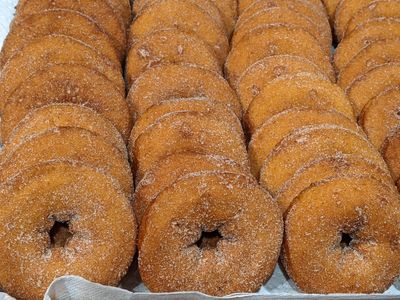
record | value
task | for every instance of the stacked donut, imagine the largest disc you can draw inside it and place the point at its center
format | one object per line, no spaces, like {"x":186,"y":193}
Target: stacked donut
{"x":367,"y":61}
{"x":340,"y":206}
{"x":205,"y":223}
{"x":65,"y":177}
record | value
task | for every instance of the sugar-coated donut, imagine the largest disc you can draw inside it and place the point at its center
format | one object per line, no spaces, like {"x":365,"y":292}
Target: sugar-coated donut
{"x":54,"y":49}
{"x":202,"y":241}
{"x":344,"y":234}
{"x":390,"y":151}
{"x":269,"y":68}
{"x":65,"y":22}
{"x":309,"y":143}
{"x":270,"y":40}
{"x":88,"y":204}
{"x":170,"y":169}
{"x":296,"y":91}
{"x":168,"y":46}
{"x":68,"y":143}
{"x":199,"y":104}
{"x":380,"y":116}
{"x":67,"y":84}
{"x":273,"y":130}
{"x":101,"y":12}
{"x":367,"y":33}
{"x":326,"y":168}
{"x":65,"y":115}
{"x":247,"y":4}
{"x":187,"y":16}
{"x":186,"y":131}
{"x":372,"y":83}
{"x":170,"y":81}
{"x":374,"y":54}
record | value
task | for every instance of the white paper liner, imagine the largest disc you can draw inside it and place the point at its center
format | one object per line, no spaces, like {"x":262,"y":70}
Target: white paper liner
{"x":77,"y":288}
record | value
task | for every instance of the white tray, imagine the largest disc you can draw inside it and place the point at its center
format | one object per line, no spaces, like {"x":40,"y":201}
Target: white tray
{"x":131,"y":287}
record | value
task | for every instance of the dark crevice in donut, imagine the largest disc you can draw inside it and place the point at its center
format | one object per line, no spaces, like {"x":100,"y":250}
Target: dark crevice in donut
{"x":345,"y":241}
{"x":59,"y":234}
{"x":208,"y":240}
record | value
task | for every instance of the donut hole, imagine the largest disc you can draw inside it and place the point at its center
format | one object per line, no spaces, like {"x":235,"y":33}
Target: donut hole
{"x":208,"y":240}
{"x":345,"y":241}
{"x":60,"y":234}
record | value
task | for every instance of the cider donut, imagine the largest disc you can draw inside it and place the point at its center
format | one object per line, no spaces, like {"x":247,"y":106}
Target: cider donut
{"x":375,"y":54}
{"x":270,"y":40}
{"x":267,"y":69}
{"x":170,"y":169}
{"x":391,"y":151}
{"x":65,"y":115}
{"x":328,"y":168}
{"x":72,"y":144}
{"x":344,"y":12}
{"x":370,"y":84}
{"x":353,"y":250}
{"x":195,"y":207}
{"x":303,"y":7}
{"x":208,"y":6}
{"x":101,"y":12}
{"x":61,"y":21}
{"x":367,"y":33}
{"x":67,"y":84}
{"x":299,"y":91}
{"x":50,"y":50}
{"x":376,"y":9}
{"x":307,"y":144}
{"x":228,"y":11}
{"x":123,"y":8}
{"x":86,"y":202}
{"x":168,"y":46}
{"x":274,"y":129}
{"x":244,"y":5}
{"x":170,"y":81}
{"x":186,"y":131}
{"x":186,"y":16}
{"x":282,"y":15}
{"x":203,"y":105}
{"x":380,"y":116}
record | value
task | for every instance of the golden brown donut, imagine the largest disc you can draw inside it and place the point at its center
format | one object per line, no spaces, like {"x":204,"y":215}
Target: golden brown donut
{"x":188,"y":16}
{"x":168,"y":46}
{"x":170,"y":169}
{"x":391,"y":152}
{"x":170,"y":81}
{"x":377,"y":53}
{"x":101,"y":12}
{"x":74,"y":196}
{"x":274,"y":129}
{"x":353,"y":250}
{"x":64,"y":22}
{"x":309,"y":143}
{"x":367,"y":33}
{"x":282,"y":15}
{"x":328,"y":168}
{"x":370,"y":84}
{"x":65,"y":115}
{"x":270,"y":40}
{"x":345,"y":10}
{"x":303,"y":7}
{"x":186,"y":131}
{"x":330,"y":6}
{"x":69,"y":143}
{"x":380,"y":116}
{"x":247,"y":4}
{"x":269,"y":68}
{"x":67,"y":84}
{"x":228,"y":11}
{"x":376,"y":9}
{"x":123,"y":7}
{"x":50,"y":50}
{"x":202,"y":240}
{"x":297,"y":91}
{"x":203,"y":105}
